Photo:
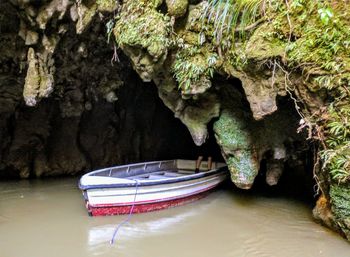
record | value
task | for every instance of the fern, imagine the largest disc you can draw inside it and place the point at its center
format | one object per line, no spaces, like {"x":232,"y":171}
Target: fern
{"x":336,"y":155}
{"x":229,"y":15}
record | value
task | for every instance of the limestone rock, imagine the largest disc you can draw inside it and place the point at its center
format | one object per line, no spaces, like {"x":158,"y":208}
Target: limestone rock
{"x":340,"y":206}
{"x":194,"y":113}
{"x":85,"y":16}
{"x":245,"y":142}
{"x":107,"y":5}
{"x":143,"y":34}
{"x":49,"y":10}
{"x":274,"y":171}
{"x":39,"y":81}
{"x":235,"y":139}
{"x":177,"y":8}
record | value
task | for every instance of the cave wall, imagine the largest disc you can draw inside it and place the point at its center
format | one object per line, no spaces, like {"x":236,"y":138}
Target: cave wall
{"x":98,"y":114}
{"x":43,"y":143}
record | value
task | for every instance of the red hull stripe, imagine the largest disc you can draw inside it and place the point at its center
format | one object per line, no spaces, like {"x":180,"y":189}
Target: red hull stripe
{"x":104,"y":210}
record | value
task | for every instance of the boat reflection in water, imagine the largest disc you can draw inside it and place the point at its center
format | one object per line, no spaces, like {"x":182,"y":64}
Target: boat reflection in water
{"x":140,"y":228}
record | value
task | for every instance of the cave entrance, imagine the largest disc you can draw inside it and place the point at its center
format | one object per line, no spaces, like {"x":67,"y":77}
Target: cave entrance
{"x":274,"y":131}
{"x":297,"y":179}
{"x":163,"y":135}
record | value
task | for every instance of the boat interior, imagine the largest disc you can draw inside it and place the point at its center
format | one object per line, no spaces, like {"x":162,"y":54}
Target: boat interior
{"x":162,"y":174}
{"x":160,"y":169}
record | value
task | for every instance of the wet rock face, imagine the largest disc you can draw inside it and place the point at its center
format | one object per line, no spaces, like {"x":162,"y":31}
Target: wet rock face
{"x":236,"y":145}
{"x":143,"y":33}
{"x":39,"y":80}
{"x":195,"y":114}
{"x":95,"y":115}
{"x":245,"y":142}
{"x":333,"y":210}
{"x":177,"y":8}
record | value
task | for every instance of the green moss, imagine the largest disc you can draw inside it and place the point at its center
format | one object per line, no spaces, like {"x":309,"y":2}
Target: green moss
{"x":319,"y":45}
{"x":177,"y":8}
{"x":106,"y":5}
{"x":196,"y":58}
{"x":140,"y":25}
{"x":234,"y":139}
{"x":242,"y":169}
{"x":156,"y":3}
{"x":193,"y":68}
{"x":310,"y":37}
{"x":261,"y":48}
{"x":231,"y":131}
{"x":340,"y":202}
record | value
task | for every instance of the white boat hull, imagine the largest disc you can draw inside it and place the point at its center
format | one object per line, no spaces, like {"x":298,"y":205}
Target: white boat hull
{"x":140,"y":194}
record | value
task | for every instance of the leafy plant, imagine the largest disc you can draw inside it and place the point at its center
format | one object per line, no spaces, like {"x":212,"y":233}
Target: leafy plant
{"x":193,"y":64}
{"x":336,"y":155}
{"x":229,"y":15}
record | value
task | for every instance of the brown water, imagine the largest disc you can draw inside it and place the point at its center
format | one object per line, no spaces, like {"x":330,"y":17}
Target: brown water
{"x":48,"y":219}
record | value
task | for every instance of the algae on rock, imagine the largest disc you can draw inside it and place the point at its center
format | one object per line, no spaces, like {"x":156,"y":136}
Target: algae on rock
{"x":177,"y":8}
{"x":194,"y":113}
{"x":245,"y":142}
{"x":235,"y":140}
{"x":144,"y":35}
{"x":340,"y":205}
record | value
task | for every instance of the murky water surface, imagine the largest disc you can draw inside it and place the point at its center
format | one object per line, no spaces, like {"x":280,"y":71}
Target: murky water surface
{"x":48,"y":219}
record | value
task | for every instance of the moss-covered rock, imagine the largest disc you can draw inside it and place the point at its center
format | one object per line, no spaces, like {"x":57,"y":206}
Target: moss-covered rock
{"x":196,"y":60}
{"x":85,"y":14}
{"x":234,"y":138}
{"x":245,"y":142}
{"x":177,"y":8}
{"x":144,"y":34}
{"x":39,"y":81}
{"x":107,"y":5}
{"x":195,"y":113}
{"x":340,"y":205}
{"x":48,"y":10}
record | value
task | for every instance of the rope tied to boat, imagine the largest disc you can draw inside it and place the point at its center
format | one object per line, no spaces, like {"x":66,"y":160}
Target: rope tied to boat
{"x":129,"y":215}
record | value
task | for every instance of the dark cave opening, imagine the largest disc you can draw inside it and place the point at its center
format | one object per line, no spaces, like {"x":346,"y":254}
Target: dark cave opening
{"x":81,"y":126}
{"x":161,"y":128}
{"x":296,"y":181}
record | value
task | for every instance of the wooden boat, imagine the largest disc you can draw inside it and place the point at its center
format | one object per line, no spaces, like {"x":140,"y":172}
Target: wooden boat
{"x":149,"y":186}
